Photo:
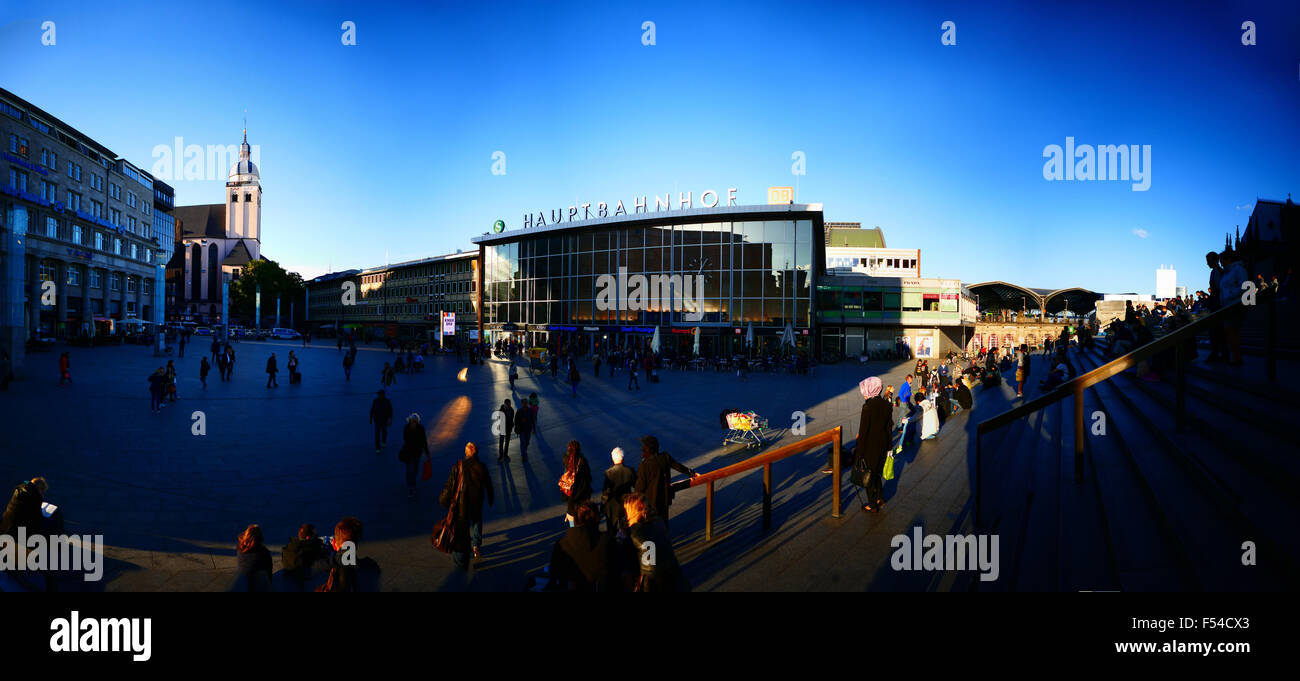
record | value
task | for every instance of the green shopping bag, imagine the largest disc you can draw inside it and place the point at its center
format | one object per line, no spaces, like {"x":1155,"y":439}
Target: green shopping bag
{"x":889,"y":467}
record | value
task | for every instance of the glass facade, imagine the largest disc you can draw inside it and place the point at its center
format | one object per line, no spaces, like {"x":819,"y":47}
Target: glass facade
{"x":749,"y":272}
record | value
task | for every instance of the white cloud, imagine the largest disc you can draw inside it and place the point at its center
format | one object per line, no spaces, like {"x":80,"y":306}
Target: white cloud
{"x":1245,"y":207}
{"x":1141,"y":233}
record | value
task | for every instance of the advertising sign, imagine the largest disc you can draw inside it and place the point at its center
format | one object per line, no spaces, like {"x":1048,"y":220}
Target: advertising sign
{"x":449,"y":323}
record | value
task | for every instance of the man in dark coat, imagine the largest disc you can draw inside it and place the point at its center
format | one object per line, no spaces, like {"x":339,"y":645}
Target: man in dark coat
{"x":653,"y":476}
{"x":503,"y":433}
{"x":619,"y":481}
{"x":525,"y":422}
{"x":468,"y":514}
{"x":381,"y":415}
{"x":962,"y":394}
{"x":271,"y":371}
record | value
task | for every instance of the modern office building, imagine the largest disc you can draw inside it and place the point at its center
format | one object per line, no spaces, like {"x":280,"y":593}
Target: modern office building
{"x":81,"y":246}
{"x":402,"y":300}
{"x":857,"y":313}
{"x":216,"y":242}
{"x":613,"y":280}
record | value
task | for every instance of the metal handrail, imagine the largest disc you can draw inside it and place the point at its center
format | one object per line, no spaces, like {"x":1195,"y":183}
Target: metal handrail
{"x":766,"y":459}
{"x":1076,"y":386}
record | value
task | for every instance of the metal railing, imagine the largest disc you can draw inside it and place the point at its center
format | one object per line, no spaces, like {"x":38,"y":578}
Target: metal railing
{"x":765,"y":460}
{"x":1175,"y":340}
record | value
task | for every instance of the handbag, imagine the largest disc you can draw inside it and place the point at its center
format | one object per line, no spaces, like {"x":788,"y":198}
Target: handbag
{"x":861,"y":473}
{"x":889,"y":467}
{"x":427,"y":473}
{"x":444,"y":533}
{"x":566,"y":482}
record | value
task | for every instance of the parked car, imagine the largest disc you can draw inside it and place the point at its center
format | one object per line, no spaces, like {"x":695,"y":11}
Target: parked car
{"x":203,"y":331}
{"x":285,"y":334}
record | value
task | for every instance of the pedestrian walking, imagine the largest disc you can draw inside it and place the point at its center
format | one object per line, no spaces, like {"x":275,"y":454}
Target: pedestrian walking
{"x":632,"y":376}
{"x":293,"y":367}
{"x":156,"y":381}
{"x":875,"y":438}
{"x":271,"y":371}
{"x":468,"y":485}
{"x":506,"y":425}
{"x":597,"y":372}
{"x":169,"y":390}
{"x":65,"y":366}
{"x":181,"y":343}
{"x":381,"y":414}
{"x":525,"y":420}
{"x":204,"y":367}
{"x":348,"y":359}
{"x":574,"y":378}
{"x":514,"y":374}
{"x":414,"y":441}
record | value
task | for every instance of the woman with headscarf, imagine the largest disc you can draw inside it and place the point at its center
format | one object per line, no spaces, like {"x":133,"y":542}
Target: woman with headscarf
{"x":875,"y":436}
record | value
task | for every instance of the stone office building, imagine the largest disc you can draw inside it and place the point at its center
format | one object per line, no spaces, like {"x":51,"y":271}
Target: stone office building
{"x":80,"y":248}
{"x":402,"y":300}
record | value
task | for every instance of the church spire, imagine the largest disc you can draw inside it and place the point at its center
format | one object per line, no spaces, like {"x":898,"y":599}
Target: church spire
{"x":244,"y":150}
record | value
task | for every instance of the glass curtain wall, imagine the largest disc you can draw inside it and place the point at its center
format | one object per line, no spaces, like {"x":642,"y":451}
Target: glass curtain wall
{"x":753,"y":273}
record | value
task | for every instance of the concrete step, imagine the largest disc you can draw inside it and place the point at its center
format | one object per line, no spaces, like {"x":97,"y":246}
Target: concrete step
{"x":1197,"y":506}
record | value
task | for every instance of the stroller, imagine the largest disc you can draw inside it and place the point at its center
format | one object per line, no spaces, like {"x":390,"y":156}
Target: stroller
{"x":746,"y":428}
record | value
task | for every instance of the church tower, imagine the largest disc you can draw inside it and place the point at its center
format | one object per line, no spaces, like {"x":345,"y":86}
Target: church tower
{"x":244,"y":201}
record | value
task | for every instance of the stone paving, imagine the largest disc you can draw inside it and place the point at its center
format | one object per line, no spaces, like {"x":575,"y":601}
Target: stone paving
{"x":170,"y":503}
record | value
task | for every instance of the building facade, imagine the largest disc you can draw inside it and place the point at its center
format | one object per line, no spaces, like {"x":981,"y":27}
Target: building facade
{"x":614,"y":281}
{"x":216,"y":241}
{"x":82,"y":250}
{"x":859,"y":314}
{"x":404,"y":300}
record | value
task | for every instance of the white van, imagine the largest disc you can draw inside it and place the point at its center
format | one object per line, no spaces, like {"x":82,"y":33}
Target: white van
{"x":285,"y":334}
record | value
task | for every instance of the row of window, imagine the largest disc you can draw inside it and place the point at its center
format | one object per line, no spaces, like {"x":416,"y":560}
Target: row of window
{"x":734,"y":284}
{"x":50,"y":159}
{"x":48,"y":272}
{"x":414,"y":308}
{"x":73,"y":232}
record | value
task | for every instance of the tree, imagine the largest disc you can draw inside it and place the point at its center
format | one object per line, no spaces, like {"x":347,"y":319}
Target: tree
{"x":273,"y":279}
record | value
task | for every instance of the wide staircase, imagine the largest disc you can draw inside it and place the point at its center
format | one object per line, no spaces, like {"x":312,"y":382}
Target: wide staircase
{"x":1180,"y":482}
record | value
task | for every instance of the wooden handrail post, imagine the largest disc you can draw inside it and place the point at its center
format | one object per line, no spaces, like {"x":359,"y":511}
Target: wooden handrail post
{"x":979,"y":507}
{"x":1078,"y":431}
{"x":835,"y":471}
{"x":767,"y":496}
{"x":708,"y":512}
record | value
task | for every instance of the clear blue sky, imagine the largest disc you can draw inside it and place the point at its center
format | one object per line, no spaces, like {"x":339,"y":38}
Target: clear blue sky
{"x":387,"y":146}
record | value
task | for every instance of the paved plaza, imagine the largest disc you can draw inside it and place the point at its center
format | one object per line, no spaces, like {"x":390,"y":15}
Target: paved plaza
{"x":170,"y":503}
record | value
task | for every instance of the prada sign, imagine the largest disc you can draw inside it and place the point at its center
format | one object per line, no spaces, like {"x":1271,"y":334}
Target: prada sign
{"x":685,"y":200}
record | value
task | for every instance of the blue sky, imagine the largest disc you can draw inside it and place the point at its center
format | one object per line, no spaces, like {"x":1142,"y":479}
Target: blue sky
{"x":384,"y":149}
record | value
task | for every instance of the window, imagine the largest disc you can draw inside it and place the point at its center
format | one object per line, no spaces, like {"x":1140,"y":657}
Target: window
{"x":248,"y":198}
{"x":47,"y":271}
{"x":74,"y":171}
{"x":117,"y":246}
{"x":99,"y":242}
{"x":146,"y":286}
{"x":76,"y":234}
{"x":130,"y":199}
{"x":51,"y":227}
{"x":234,"y":198}
{"x":49,"y":191}
{"x":74,"y":276}
{"x":97,"y":209}
{"x":18,"y":180}
{"x":114,"y":191}
{"x":115,"y":282}
{"x":96,"y":279}
{"x":130,"y":223}
{"x":148,"y":257}
{"x":74,"y":200}
{"x":134,"y":255}
{"x":115,"y":216}
{"x":130,"y":284}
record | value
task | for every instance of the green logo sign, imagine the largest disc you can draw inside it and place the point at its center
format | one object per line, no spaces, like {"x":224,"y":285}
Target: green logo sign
{"x":499,"y":226}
